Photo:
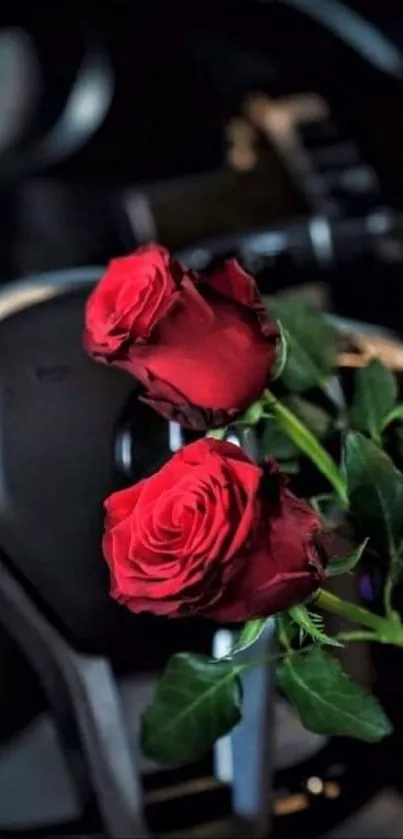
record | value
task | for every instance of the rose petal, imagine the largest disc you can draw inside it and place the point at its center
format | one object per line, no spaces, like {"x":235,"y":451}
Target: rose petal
{"x":231,"y":281}
{"x":119,"y":505}
{"x":134,"y":294}
{"x":212,"y":534}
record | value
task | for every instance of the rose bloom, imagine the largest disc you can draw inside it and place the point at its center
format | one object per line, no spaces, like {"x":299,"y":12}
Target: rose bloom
{"x":212,"y":534}
{"x":203,"y":346}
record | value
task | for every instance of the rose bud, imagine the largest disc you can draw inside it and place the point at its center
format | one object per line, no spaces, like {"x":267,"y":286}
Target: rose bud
{"x":202,"y":345}
{"x":212,"y":534}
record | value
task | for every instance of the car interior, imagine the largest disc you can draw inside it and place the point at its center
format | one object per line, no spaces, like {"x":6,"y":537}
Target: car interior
{"x":268,"y":130}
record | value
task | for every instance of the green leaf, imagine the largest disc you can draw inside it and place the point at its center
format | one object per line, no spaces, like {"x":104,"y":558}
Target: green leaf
{"x":249,"y":634}
{"x":276,"y":443}
{"x":287,"y":629}
{"x":375,"y":489}
{"x":343,"y":565}
{"x":312,"y":625}
{"x":290,"y":467}
{"x":375,"y":395}
{"x":315,"y":418}
{"x":328,"y":701}
{"x":313,"y":344}
{"x":197,"y":701}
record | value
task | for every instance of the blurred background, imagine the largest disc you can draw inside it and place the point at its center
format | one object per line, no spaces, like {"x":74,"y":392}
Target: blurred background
{"x":185,"y":123}
{"x":268,"y":130}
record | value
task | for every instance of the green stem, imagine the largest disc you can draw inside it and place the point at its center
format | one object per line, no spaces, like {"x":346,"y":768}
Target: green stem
{"x":395,"y":414}
{"x":357,"y":635}
{"x":238,"y":669}
{"x":386,"y":630}
{"x":308,"y":444}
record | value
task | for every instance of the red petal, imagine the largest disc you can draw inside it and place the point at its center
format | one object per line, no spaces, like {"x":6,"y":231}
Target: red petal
{"x":231,"y":281}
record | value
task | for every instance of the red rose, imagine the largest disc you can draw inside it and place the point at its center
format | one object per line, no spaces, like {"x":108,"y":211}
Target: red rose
{"x":212,"y":534}
{"x":202,"y":345}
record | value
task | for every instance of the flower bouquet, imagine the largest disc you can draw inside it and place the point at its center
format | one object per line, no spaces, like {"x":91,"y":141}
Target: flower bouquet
{"x":246,"y":534}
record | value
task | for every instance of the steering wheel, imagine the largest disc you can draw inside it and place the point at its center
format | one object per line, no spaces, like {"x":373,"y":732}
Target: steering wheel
{"x":49,"y":113}
{"x":318,"y":782}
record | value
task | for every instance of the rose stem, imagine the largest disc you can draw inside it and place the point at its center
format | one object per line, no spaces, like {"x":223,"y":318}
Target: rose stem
{"x":308,"y":444}
{"x":387,"y":630}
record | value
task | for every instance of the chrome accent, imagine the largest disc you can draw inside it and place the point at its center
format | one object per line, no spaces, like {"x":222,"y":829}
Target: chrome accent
{"x":320,"y":235}
{"x":355,"y":30}
{"x":38,"y":288}
{"x":20,"y":77}
{"x":86,"y":108}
